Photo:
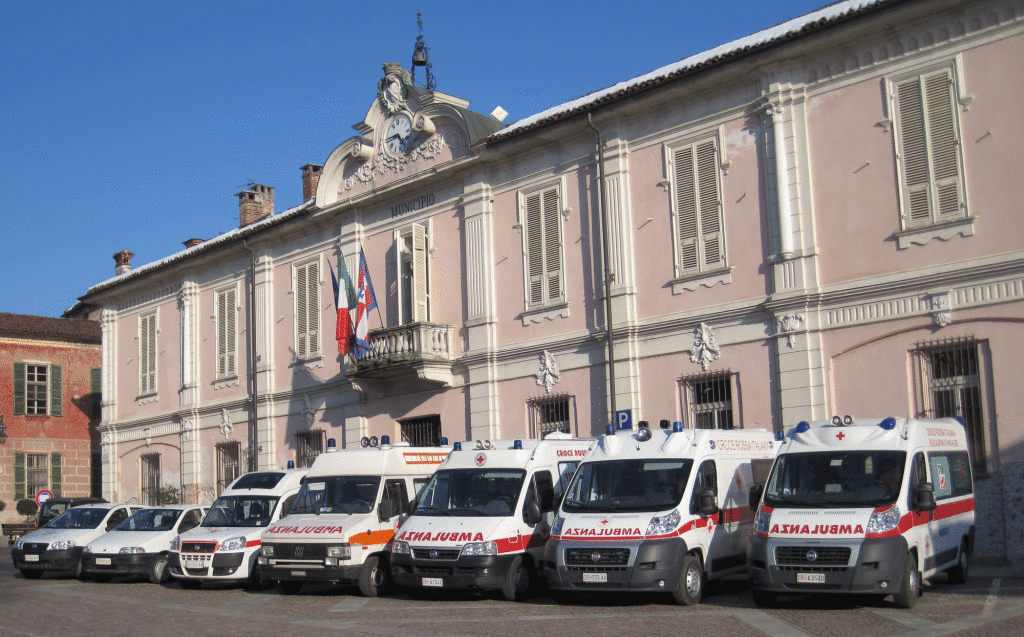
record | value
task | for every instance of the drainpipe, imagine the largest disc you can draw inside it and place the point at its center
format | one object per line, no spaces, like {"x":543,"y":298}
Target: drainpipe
{"x":254,"y":385}
{"x":609,"y":276}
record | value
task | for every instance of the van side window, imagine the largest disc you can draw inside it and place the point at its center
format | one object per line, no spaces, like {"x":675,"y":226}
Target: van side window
{"x":951,"y":474}
{"x":707,"y":478}
{"x":189,"y":521}
{"x":394,"y":490}
{"x":287,"y":506}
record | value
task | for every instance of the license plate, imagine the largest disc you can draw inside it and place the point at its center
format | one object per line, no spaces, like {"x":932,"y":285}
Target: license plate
{"x":433,"y":581}
{"x":31,"y":558}
{"x":595,"y":578}
{"x":810,"y":578}
{"x":298,"y":573}
{"x":102,"y":561}
{"x":195,"y":565}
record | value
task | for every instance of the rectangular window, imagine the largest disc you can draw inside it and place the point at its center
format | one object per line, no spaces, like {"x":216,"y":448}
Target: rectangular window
{"x":228,"y":454}
{"x":951,"y":474}
{"x":709,"y":401}
{"x":414,"y":275}
{"x":541,"y":217}
{"x":96,"y":392}
{"x":550,"y":414}
{"x":422,"y":432}
{"x":307,"y":310}
{"x":928,"y":148}
{"x":950,"y":386}
{"x":147,"y":354}
{"x":37,"y":390}
{"x":151,"y":479}
{"x":36,"y":473}
{"x":226,"y":333}
{"x":308,"y":445}
{"x":697,"y":207}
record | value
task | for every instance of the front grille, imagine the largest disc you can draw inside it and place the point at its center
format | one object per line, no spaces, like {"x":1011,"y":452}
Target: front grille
{"x":35,"y":547}
{"x":198,"y":547}
{"x":596,"y":557}
{"x":435,"y":554}
{"x":299,"y":551}
{"x":595,"y":569}
{"x":434,"y":572}
{"x":823,"y":555}
{"x":815,"y":569}
{"x":198,"y":572}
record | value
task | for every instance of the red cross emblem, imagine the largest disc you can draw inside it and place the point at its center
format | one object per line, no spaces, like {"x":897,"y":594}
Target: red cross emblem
{"x":480,"y":459}
{"x":840,"y":435}
{"x":605,"y":521}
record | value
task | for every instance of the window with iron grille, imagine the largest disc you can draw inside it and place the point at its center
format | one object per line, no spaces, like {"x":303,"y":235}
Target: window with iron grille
{"x":550,"y":414}
{"x":424,"y":431}
{"x":228,"y":454}
{"x":709,"y":401}
{"x":151,"y":479}
{"x":950,"y":384}
{"x":308,"y":445}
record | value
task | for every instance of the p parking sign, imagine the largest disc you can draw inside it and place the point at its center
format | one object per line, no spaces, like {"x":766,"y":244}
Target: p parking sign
{"x":623,"y":419}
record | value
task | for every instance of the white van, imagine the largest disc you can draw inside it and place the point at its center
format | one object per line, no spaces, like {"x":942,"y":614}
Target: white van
{"x":58,"y":546}
{"x":864,"y":506}
{"x":660,"y":511}
{"x":483,"y":519}
{"x":346,"y":512}
{"x":225,"y":545}
{"x":140,"y":545}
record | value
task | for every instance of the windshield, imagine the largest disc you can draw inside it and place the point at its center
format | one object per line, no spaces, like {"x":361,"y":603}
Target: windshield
{"x":151,"y":520}
{"x":78,"y":519}
{"x":627,"y":485}
{"x":844,"y":478}
{"x":475,"y":492}
{"x":241,"y":510}
{"x":337,"y":494}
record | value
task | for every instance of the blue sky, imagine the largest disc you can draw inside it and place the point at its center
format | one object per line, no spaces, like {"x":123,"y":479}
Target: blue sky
{"x":131,"y":125}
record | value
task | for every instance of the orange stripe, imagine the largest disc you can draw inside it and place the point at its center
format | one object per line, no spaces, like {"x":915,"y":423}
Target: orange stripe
{"x":373,"y":537}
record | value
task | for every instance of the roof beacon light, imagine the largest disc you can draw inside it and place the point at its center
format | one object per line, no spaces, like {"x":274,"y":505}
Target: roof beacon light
{"x":458,"y":446}
{"x":385,"y":440}
{"x":803,"y":426}
{"x":444,"y":442}
{"x":332,"y":445}
{"x":291,"y":464}
{"x":517,"y":444}
{"x":780,"y":436}
{"x":609,"y":430}
{"x":677,"y":426}
{"x":643,"y":435}
{"x":888,"y":424}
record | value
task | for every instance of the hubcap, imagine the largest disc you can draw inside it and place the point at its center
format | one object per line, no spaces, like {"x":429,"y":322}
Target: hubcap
{"x":692,"y":582}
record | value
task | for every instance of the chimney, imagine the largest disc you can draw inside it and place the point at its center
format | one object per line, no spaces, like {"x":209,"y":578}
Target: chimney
{"x":122,"y":262}
{"x":191,"y":243}
{"x":255,"y":204}
{"x":310,"y":180}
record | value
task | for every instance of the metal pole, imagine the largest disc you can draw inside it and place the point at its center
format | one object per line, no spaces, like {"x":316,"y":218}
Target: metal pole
{"x":609,"y":276}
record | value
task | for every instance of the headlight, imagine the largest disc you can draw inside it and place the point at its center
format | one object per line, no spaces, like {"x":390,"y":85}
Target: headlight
{"x":884,"y":521}
{"x":132,"y":549}
{"x":400,"y":548}
{"x":268,"y":550}
{"x":762,"y":521}
{"x":664,"y":524}
{"x":557,"y":528}
{"x":63,"y":545}
{"x":87,"y":549}
{"x":480,"y":548}
{"x":233,"y":544}
{"x":19,"y":544}
{"x":176,"y":543}
{"x":342,"y":552}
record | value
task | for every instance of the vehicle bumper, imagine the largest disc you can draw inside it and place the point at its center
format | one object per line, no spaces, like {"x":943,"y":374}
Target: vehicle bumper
{"x":650,"y":566}
{"x":63,"y":560}
{"x":120,"y":563}
{"x":874,"y":566}
{"x":216,"y":566}
{"x":477,"y":572}
{"x":316,"y":572}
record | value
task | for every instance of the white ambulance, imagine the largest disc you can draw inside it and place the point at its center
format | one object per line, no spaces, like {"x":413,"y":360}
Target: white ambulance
{"x":345,"y":514}
{"x":863,"y":506}
{"x":483,"y":519}
{"x":658,"y":511}
{"x":224,"y":547}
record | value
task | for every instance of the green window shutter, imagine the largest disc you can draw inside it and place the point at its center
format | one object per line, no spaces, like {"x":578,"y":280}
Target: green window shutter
{"x":19,"y":475}
{"x":96,"y":387}
{"x":19,"y":389}
{"x":56,"y":400}
{"x":55,"y":482}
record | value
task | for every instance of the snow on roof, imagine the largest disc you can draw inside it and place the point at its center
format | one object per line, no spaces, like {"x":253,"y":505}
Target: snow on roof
{"x":762,"y":38}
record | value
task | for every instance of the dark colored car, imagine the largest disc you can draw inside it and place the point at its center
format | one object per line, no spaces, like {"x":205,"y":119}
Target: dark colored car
{"x":55,"y":506}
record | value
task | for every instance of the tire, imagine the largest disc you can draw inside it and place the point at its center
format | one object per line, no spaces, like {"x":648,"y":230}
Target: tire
{"x":31,"y":574}
{"x":189,"y":584}
{"x":102,"y":578}
{"x":517,"y":580}
{"x":910,"y":587}
{"x":289,"y":587}
{"x":690,"y":587}
{"x":256,"y":581}
{"x":159,"y":573}
{"x":765,"y":599}
{"x":958,"y":574}
{"x":374,"y":577}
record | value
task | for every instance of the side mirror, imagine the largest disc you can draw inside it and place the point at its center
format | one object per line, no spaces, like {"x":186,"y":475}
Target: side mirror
{"x":754,"y":499}
{"x":387,"y":509}
{"x":924,"y":497}
{"x":532,"y":514}
{"x":706,"y":504}
{"x":412,"y":507}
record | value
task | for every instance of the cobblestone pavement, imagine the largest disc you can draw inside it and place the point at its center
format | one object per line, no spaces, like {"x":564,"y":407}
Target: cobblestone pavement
{"x":991,"y":603}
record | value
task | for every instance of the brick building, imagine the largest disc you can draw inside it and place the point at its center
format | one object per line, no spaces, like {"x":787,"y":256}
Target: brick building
{"x":49,"y":402}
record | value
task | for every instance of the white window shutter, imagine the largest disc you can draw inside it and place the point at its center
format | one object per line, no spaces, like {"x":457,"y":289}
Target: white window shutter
{"x":313,"y":309}
{"x":552,"y":246}
{"x":232,"y":334}
{"x":914,"y":152}
{"x":710,"y":205}
{"x":534,"y":251}
{"x":222,"y":335}
{"x":301,"y":311}
{"x":147,"y":354}
{"x":419,"y":277}
{"x":686,"y":210}
{"x":943,"y":143}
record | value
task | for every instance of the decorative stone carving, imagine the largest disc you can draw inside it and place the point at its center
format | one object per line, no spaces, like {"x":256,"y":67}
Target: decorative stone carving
{"x":447,"y":137}
{"x":548,"y":374}
{"x":705,"y":349}
{"x":788,"y":325}
{"x":149,"y":435}
{"x":941,"y":308}
{"x":186,"y":429}
{"x":391,"y":89}
{"x":225,"y":423}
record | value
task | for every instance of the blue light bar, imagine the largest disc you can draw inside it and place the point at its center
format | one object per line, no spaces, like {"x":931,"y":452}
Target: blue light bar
{"x":610,"y":430}
{"x":458,"y":446}
{"x":291,"y":464}
{"x":444,"y":442}
{"x":677,"y":426}
{"x":517,"y":444}
{"x":331,"y":444}
{"x":385,"y":440}
{"x":802,"y":426}
{"x":888,"y":423}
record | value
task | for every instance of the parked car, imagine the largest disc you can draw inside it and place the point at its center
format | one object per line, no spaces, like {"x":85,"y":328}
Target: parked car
{"x":140,"y":545}
{"x":58,"y":545}
{"x":55,"y":506}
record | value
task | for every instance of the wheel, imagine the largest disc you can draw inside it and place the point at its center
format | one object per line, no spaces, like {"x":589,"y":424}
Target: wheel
{"x":32,"y":574}
{"x":517,"y":581}
{"x":374,"y":577}
{"x":102,"y":578}
{"x":764,"y":599}
{"x":159,"y":573}
{"x":289,"y":587}
{"x":910,"y":587}
{"x":256,"y":581}
{"x":190,"y":584}
{"x":958,"y":574}
{"x":690,"y":586}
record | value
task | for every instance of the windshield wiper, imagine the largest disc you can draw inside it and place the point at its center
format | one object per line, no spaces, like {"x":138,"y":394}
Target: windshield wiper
{"x":443,"y":511}
{"x":465,"y":510}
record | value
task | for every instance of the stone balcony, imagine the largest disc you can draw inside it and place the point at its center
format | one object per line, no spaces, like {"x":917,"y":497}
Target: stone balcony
{"x":417,"y":353}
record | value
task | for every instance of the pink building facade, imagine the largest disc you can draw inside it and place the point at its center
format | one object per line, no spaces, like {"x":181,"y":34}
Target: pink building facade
{"x":816,"y":220}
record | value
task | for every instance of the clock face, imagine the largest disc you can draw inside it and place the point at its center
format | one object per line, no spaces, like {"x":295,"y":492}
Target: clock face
{"x":398,"y":137}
